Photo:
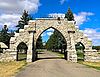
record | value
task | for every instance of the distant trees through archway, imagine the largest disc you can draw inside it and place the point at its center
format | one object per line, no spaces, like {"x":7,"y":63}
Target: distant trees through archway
{"x":51,"y":40}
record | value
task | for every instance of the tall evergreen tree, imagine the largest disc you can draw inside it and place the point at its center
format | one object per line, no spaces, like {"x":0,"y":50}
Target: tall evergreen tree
{"x":4,"y":36}
{"x":55,"y":41}
{"x":24,"y":20}
{"x":69,"y":15}
{"x":39,"y":44}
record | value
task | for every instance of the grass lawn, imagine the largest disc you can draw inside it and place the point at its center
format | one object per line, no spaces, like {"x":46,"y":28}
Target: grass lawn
{"x":8,"y":69}
{"x":61,"y":55}
{"x":22,"y":56}
{"x":80,"y":56}
{"x":95,"y":65}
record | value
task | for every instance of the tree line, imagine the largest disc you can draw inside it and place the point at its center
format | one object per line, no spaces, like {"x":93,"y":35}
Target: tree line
{"x":96,"y":47}
{"x":56,"y":41}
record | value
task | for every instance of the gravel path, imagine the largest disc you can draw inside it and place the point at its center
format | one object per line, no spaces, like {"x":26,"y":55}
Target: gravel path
{"x":51,"y":65}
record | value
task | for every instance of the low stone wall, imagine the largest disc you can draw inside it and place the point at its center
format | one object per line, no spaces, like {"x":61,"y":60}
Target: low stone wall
{"x":92,"y":56}
{"x":7,"y":56}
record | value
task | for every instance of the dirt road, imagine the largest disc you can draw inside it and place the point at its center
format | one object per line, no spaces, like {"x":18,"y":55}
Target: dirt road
{"x":50,"y":65}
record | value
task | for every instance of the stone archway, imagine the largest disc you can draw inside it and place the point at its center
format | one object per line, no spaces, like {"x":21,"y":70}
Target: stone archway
{"x":22,"y":51}
{"x":80,"y":51}
{"x":66,"y":28}
{"x":31,"y":32}
{"x":63,"y":38}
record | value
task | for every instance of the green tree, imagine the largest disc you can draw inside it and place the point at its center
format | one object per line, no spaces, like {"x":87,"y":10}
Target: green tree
{"x":69,"y":15}
{"x":56,"y":41}
{"x":96,"y":47}
{"x":24,"y":20}
{"x":39,"y":44}
{"x":79,"y":46}
{"x":4,"y":36}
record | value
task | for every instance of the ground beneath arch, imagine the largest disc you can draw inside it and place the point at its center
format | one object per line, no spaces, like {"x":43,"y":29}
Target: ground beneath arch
{"x":50,"y":65}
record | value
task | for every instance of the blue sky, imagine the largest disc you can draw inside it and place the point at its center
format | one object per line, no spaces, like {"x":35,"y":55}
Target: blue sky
{"x":86,"y":12}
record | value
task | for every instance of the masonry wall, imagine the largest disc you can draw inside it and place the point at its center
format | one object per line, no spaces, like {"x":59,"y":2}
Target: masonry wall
{"x":33,"y":30}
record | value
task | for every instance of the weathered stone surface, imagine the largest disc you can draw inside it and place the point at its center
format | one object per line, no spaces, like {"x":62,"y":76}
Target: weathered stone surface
{"x":72,"y":35}
{"x":7,"y":56}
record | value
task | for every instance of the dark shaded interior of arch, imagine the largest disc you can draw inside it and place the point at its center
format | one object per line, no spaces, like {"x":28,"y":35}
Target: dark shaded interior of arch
{"x":22,"y":51}
{"x":80,"y":51}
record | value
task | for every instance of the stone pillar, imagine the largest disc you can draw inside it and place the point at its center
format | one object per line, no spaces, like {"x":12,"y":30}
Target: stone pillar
{"x":71,"y":51}
{"x":30,"y":48}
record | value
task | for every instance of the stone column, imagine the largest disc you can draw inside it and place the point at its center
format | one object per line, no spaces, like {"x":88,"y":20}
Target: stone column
{"x":30,"y":47}
{"x":71,"y":51}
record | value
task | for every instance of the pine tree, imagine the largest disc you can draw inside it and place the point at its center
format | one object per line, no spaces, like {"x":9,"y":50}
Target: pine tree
{"x":39,"y":44}
{"x":55,"y":41}
{"x":24,"y":20}
{"x":4,"y":36}
{"x":69,"y":15}
{"x":4,"y":29}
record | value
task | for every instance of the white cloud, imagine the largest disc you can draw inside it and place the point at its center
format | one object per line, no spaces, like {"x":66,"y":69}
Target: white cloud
{"x":82,"y":17}
{"x":9,"y":20}
{"x":46,"y":34}
{"x":93,"y":34}
{"x":11,"y":10}
{"x":50,"y":30}
{"x":17,"y":6}
{"x":49,"y":33}
{"x":43,"y":34}
{"x":96,"y":42}
{"x":62,"y":1}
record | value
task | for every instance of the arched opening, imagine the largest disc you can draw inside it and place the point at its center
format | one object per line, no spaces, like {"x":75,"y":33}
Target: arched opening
{"x":22,"y":51}
{"x":80,"y":51}
{"x":51,"y":40}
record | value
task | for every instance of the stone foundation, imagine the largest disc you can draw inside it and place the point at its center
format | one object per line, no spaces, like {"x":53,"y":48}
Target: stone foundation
{"x":92,"y":56}
{"x":8,"y":56}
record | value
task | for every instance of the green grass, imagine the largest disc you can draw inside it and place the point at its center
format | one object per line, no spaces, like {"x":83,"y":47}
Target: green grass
{"x":98,"y":52}
{"x":80,"y":56}
{"x":40,"y":50}
{"x":9,"y":69}
{"x":95,"y":65}
{"x":22,"y":56}
{"x":61,"y":55}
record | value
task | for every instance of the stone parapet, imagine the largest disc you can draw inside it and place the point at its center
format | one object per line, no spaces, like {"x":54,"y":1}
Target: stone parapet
{"x":92,"y":56}
{"x":8,"y":55}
